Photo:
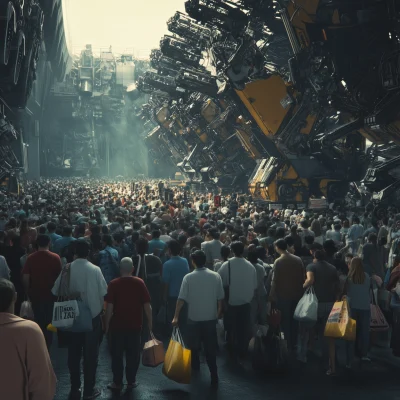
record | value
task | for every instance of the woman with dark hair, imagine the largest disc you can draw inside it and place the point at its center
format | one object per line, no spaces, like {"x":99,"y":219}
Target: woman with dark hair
{"x":357,"y":288}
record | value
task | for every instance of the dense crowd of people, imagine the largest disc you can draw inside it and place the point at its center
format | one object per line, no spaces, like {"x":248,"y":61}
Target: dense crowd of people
{"x":145,"y":257}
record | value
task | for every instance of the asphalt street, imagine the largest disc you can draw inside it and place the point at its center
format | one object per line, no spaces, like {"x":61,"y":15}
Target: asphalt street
{"x":376,"y":380}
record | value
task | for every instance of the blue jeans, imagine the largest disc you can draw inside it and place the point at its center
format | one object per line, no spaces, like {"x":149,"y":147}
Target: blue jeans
{"x":363,"y":318}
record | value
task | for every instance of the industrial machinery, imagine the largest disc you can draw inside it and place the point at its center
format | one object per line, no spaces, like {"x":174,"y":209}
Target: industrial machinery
{"x":304,"y":86}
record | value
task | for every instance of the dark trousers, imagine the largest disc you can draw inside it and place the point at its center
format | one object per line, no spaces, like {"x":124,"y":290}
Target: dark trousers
{"x":87,"y":343}
{"x":43,"y":314}
{"x":238,"y":326}
{"x":127,"y":343}
{"x":289,"y":325}
{"x":203,"y":332}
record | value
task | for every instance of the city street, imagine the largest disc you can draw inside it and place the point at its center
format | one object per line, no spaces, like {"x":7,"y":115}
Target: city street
{"x":377,"y":380}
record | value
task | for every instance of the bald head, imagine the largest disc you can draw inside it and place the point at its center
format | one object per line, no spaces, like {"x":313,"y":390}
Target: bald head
{"x":126,"y":266}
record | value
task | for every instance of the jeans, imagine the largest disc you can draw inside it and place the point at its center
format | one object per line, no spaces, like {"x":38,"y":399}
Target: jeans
{"x":43,"y":315}
{"x":363,"y":318}
{"x":203,"y":332}
{"x":238,"y":325}
{"x":288,"y":324}
{"x":88,"y":343}
{"x":324,"y":309}
{"x":128,"y":343}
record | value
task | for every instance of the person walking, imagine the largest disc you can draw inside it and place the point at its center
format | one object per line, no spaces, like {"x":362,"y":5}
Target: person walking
{"x":240,"y":276}
{"x":127,"y":297}
{"x":87,"y":281}
{"x":38,"y":276}
{"x":357,"y":288}
{"x":287,"y":288}
{"x":25,"y":367}
{"x":174,"y":270}
{"x":203,"y":292}
{"x":108,"y":259}
{"x":212,"y":249}
{"x":324,"y":278}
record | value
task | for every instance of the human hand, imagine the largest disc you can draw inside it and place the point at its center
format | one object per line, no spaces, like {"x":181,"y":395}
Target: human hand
{"x":175,"y":322}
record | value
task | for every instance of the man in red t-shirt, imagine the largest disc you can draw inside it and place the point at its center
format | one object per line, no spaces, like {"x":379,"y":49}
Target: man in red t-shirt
{"x":126,"y":298}
{"x":40,"y":272}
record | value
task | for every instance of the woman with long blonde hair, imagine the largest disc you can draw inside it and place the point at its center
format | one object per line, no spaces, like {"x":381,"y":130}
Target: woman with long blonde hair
{"x":357,"y":288}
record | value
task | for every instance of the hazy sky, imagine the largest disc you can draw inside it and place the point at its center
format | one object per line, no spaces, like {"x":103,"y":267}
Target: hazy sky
{"x":123,"y":24}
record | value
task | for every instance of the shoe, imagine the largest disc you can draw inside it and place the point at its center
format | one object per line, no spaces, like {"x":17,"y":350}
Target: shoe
{"x":214,"y":382}
{"x":96,"y":393}
{"x":114,"y":387}
{"x":75,"y":394}
{"x":131,"y":386}
{"x":365,"y":359}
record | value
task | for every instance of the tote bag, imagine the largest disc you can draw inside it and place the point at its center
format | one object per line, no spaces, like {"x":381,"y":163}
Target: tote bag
{"x":339,"y":324}
{"x":378,"y":321}
{"x":307,"y":307}
{"x":177,"y":363}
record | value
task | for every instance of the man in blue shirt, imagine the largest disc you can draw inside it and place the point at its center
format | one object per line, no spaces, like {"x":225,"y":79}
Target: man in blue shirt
{"x":109,"y":260}
{"x":354,"y":234}
{"x":66,"y":239}
{"x":157,"y":246}
{"x":51,"y":229}
{"x":174,"y":270}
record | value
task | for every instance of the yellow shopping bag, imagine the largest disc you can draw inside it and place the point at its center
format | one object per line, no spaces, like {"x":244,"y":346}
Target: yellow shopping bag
{"x":177,"y":362}
{"x":339,"y":324}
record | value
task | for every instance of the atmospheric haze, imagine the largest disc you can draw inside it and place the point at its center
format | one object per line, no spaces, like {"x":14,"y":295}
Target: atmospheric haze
{"x":126,"y":25}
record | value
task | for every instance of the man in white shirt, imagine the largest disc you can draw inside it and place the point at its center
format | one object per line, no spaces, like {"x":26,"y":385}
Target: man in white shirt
{"x":241,"y":277}
{"x":203,"y":292}
{"x":212,"y":249}
{"x":87,"y":281}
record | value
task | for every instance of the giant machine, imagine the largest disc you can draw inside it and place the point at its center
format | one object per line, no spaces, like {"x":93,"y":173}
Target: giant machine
{"x":305,"y":95}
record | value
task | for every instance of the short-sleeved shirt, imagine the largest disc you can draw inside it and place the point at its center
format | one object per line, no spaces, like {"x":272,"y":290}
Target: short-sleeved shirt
{"x":243,"y":280}
{"x":326,"y":281}
{"x":128,"y":295}
{"x":43,"y":267}
{"x":201,"y":290}
{"x":174,"y":270}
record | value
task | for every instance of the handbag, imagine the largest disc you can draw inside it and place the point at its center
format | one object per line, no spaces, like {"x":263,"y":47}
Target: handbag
{"x":378,"y":321}
{"x":153,"y":352}
{"x":26,"y":311}
{"x":72,"y":314}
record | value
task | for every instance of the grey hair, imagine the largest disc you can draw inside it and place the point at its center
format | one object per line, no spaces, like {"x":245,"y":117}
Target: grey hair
{"x":126,"y":264}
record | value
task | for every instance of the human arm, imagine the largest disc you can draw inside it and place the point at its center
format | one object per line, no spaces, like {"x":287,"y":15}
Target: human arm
{"x":109,"y":313}
{"x":182,"y":298}
{"x":309,"y":279}
{"x":149,"y":315}
{"x":179,"y":305}
{"x":40,"y":374}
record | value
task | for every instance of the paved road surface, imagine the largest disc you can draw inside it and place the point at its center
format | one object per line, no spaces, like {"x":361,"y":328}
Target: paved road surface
{"x":379,"y":380}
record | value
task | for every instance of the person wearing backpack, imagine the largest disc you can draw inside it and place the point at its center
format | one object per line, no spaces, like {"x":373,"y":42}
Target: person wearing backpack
{"x":109,"y":259}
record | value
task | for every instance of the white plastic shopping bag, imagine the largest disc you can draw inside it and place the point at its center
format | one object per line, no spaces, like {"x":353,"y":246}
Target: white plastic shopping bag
{"x":64,"y":313}
{"x":307,"y":308}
